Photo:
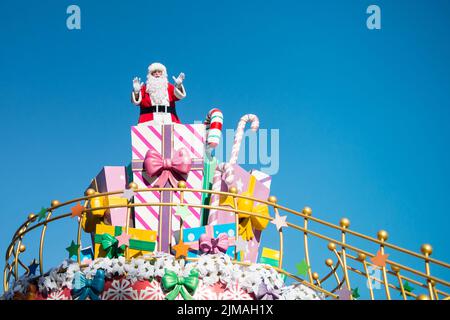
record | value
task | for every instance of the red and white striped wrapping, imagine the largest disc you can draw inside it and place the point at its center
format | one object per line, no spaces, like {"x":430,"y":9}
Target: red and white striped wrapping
{"x":166,"y":139}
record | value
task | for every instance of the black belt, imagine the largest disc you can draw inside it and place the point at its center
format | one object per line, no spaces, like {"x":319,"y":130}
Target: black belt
{"x":164,"y":109}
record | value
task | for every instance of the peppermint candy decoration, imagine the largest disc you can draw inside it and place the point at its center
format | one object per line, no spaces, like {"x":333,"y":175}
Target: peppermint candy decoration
{"x":214,"y":122}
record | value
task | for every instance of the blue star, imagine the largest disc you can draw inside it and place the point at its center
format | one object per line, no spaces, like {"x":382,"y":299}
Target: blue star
{"x":33,"y":266}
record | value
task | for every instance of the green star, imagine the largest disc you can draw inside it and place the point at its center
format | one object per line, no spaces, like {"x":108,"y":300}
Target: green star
{"x":42,"y":214}
{"x":355,"y":293}
{"x":182,"y":211}
{"x":73,"y":249}
{"x":302,"y":268}
{"x":407,"y":286}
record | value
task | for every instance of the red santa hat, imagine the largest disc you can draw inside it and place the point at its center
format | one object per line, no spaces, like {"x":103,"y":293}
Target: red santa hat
{"x":156,"y":66}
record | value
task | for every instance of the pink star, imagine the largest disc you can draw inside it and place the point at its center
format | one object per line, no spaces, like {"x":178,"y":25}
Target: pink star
{"x":124,"y":239}
{"x":279,"y":221}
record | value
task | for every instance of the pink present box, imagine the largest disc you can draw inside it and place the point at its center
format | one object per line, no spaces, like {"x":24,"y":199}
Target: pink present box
{"x":166,"y":139}
{"x":113,"y":178}
{"x":261,"y":191}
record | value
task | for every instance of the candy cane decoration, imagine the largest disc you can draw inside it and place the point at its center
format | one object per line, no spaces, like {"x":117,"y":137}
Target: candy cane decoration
{"x":224,"y":171}
{"x":240,"y":134}
{"x":214,"y":122}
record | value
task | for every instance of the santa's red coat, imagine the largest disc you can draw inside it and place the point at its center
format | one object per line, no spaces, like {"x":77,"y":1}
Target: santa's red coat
{"x":147,"y":103}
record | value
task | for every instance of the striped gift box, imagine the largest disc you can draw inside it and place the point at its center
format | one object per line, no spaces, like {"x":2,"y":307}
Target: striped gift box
{"x":166,"y":139}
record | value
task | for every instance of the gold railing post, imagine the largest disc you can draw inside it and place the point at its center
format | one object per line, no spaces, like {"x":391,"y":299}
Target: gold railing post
{"x":396,"y":270}
{"x":329,"y":263}
{"x":41,"y":242}
{"x":362,"y":258}
{"x":307,"y":211}
{"x":20,"y":248}
{"x":273,"y":201}
{"x":133,"y":186}
{"x":427,"y":250}
{"x":345,"y":223}
{"x":80,"y":220}
{"x":332,"y":247}
{"x":181,"y":184}
{"x":383,"y":236}
{"x":315,"y":276}
{"x":234,"y":191}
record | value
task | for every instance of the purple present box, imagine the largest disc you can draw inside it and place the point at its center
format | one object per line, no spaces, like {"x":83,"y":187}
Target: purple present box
{"x":113,"y":178}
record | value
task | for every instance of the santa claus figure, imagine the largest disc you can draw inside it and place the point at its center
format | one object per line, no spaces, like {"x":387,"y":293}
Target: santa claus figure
{"x":156,"y":98}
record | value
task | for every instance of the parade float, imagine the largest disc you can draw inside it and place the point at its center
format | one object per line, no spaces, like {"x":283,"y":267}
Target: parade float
{"x":175,"y":224}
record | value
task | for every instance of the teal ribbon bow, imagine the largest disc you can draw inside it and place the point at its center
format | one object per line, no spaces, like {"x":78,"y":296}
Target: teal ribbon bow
{"x":184,"y":285}
{"x":92,"y":288}
{"x":110,"y":245}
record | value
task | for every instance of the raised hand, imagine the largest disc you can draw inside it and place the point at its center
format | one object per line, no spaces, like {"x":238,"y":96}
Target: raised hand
{"x":179,"y":80}
{"x":137,"y":84}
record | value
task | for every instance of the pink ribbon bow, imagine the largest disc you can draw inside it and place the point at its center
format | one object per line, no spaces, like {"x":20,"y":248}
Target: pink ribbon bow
{"x":167,"y":169}
{"x":212,"y":245}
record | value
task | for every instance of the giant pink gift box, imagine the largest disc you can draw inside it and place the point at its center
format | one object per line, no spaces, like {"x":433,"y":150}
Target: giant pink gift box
{"x":261,"y":191}
{"x":166,"y":139}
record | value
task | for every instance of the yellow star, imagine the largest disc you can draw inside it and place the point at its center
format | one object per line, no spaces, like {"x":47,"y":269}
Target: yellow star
{"x":181,"y":249}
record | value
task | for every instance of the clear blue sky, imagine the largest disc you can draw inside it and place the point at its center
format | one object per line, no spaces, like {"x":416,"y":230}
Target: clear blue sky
{"x":363,"y":115}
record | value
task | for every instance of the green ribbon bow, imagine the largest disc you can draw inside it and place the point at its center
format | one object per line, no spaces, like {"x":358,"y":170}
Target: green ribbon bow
{"x":184,"y":285}
{"x":109,"y":244}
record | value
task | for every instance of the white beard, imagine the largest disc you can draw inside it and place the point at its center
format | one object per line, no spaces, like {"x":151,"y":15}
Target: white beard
{"x":157,"y":89}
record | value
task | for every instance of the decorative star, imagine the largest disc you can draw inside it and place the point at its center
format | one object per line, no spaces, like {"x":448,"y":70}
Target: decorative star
{"x":239,"y":184}
{"x":344,"y":294}
{"x":279,"y":221}
{"x":380,"y":259}
{"x":73,"y":249}
{"x":218,"y":288}
{"x":182,"y":211}
{"x":42,"y":214}
{"x":33,"y":266}
{"x":181,"y":249}
{"x":128,"y":193}
{"x":355,"y":293}
{"x":77,"y":210}
{"x":241,"y":245}
{"x":302,"y":268}
{"x":124,"y":239}
{"x":407,"y":286}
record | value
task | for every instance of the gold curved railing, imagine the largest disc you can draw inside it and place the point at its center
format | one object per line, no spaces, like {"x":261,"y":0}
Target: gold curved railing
{"x":351,"y":261}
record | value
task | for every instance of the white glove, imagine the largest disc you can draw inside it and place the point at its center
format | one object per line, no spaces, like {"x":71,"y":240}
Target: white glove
{"x":179,"y":81}
{"x":137,"y":84}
